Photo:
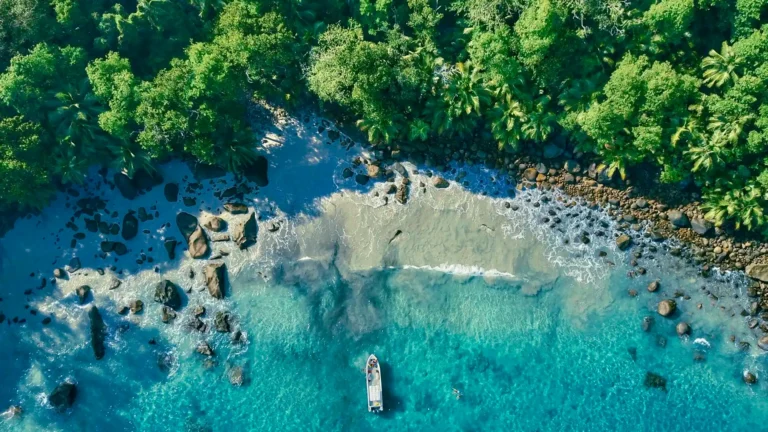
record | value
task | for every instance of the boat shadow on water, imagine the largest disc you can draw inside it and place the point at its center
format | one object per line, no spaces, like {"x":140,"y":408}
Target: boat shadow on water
{"x":392,"y":402}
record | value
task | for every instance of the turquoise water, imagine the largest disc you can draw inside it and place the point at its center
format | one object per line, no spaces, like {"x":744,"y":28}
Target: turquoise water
{"x":537,"y":335}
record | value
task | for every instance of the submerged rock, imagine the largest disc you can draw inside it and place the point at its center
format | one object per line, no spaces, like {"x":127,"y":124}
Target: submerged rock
{"x":130,"y":226}
{"x":749,"y":377}
{"x":257,"y":172}
{"x":236,"y":376}
{"x":125,"y":186}
{"x":171,"y":192}
{"x":170,"y":247}
{"x":167,"y":293}
{"x":98,"y":332}
{"x":653,"y":380}
{"x":63,"y":396}
{"x":214,"y":279}
{"x":246,"y":233}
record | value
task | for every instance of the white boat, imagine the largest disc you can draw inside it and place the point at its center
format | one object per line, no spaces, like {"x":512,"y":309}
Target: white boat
{"x":373,"y":382}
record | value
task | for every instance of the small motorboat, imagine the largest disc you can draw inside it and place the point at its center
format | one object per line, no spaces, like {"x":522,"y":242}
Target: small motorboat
{"x":373,"y":383}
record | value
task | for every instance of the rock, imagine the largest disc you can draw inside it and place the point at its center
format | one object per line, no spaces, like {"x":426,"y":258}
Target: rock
{"x":749,"y":377}
{"x":678,"y":218}
{"x":114,"y":283}
{"x":136,"y":306}
{"x":58,"y":273}
{"x":107,"y":246}
{"x":186,"y":223}
{"x":236,"y":208}
{"x":167,"y":314}
{"x":198,"y":311}
{"x":632,"y":292}
{"x":167,"y":293}
{"x":170,"y":247}
{"x":530,"y":174}
{"x":762,"y":343}
{"x":653,"y":380}
{"x":682,"y":328}
{"x":197,"y":244}
{"x":63,"y":396}
{"x":654,"y":286}
{"x":667,"y":307}
{"x":214,"y":279}
{"x":552,"y":151}
{"x":702,"y":226}
{"x":400,"y":169}
{"x":347,"y":173}
{"x":623,"y":242}
{"x":74,"y":265}
{"x":374,"y":171}
{"x":98,"y":332}
{"x":221,"y":322}
{"x":205,"y":349}
{"x":189,"y":201}
{"x":246,"y":233}
{"x":568,"y":178}
{"x":572,"y":167}
{"x":362,"y":179}
{"x":215,"y":224}
{"x":119,"y":248}
{"x":440,"y":182}
{"x":273,"y":226}
{"x":14,"y":411}
{"x":82,"y":293}
{"x":205,"y":172}
{"x":401,"y":195}
{"x":647,"y":324}
{"x":171,"y":192}
{"x":257,"y":171}
{"x":144,"y":180}
{"x":130,"y":226}
{"x":125,"y":186}
{"x":758,"y":271}
{"x":236,"y":377}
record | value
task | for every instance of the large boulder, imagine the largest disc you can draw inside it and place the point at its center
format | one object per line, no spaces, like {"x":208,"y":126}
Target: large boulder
{"x":167,"y":293}
{"x":257,"y":171}
{"x":702,"y":226}
{"x":221,"y":322}
{"x":678,"y":219}
{"x":667,"y":307}
{"x":758,"y":271}
{"x":440,"y":183}
{"x":125,"y":186}
{"x":63,"y":396}
{"x":144,"y":180}
{"x":215,"y":224}
{"x":246,"y":233}
{"x":214,"y":279}
{"x":197,"y":241}
{"x":171,"y":192}
{"x":623,"y":242}
{"x":130,"y":226}
{"x":98,"y":332}
{"x":170,"y":247}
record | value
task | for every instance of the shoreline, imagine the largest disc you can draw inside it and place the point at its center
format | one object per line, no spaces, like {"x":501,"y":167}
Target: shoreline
{"x":205,"y":199}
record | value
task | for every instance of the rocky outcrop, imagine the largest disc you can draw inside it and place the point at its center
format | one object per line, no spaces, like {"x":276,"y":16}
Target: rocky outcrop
{"x":758,"y":271}
{"x":98,"y":332}
{"x":205,"y":349}
{"x":197,"y":241}
{"x":682,"y":328}
{"x":654,"y":286}
{"x":167,"y":293}
{"x":136,"y":306}
{"x":667,"y":307}
{"x":246,"y":233}
{"x":130,"y":226}
{"x":63,"y":396}
{"x":125,"y":186}
{"x":171,"y":192}
{"x":215,"y":274}
{"x":221,"y":322}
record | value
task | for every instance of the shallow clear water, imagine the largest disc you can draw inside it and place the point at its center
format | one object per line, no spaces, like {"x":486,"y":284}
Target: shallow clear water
{"x":536,"y":334}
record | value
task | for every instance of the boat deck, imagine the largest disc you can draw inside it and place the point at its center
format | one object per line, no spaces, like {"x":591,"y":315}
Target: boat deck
{"x":373,"y":378}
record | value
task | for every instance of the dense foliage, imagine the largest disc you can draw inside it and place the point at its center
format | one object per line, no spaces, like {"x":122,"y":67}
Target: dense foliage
{"x":679,"y":84}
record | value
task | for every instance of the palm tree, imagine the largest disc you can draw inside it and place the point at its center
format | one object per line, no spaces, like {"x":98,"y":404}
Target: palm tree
{"x":460,"y":100}
{"x":707,"y":156}
{"x":381,"y":128}
{"x":743,"y":206}
{"x":720,"y":67}
{"x":728,"y":131}
{"x":506,"y":119}
{"x":74,"y":118}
